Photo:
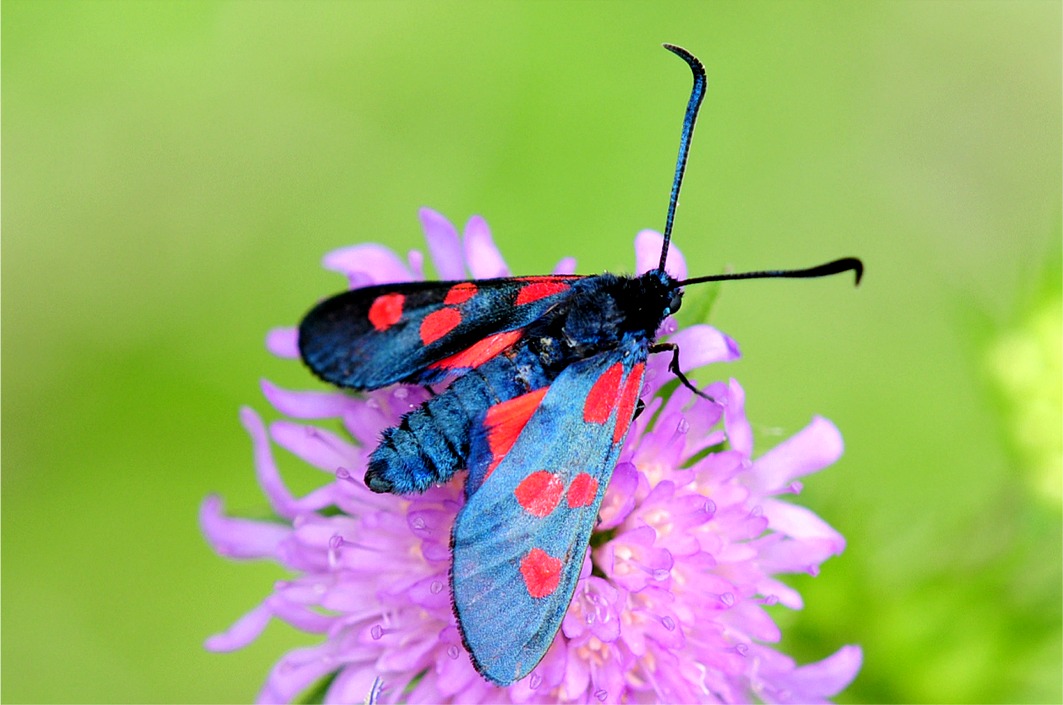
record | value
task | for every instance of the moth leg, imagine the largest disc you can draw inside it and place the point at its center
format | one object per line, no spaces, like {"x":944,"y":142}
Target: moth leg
{"x":673,"y":367}
{"x":640,"y":406}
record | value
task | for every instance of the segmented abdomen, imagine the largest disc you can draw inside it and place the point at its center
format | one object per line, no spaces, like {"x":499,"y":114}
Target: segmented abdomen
{"x":431,"y":442}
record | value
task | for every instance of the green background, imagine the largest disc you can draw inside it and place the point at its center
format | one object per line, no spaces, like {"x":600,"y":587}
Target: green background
{"x":173,"y":172}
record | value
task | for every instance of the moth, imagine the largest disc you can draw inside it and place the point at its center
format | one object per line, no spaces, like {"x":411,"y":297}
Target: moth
{"x":544,"y":379}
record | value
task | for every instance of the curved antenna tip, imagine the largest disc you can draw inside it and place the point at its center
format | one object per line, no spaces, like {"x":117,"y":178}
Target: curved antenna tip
{"x":686,"y":56}
{"x":857,"y":266}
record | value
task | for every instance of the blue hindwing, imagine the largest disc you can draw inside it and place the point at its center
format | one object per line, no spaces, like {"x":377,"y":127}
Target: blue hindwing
{"x":421,"y":332}
{"x":520,"y":541}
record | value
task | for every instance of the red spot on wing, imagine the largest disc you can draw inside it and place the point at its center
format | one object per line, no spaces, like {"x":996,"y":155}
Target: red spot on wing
{"x":480,"y":352}
{"x":535,"y":290}
{"x":505,"y":421}
{"x":539,"y":493}
{"x":541,"y":572}
{"x":438,"y":323}
{"x":582,"y":491}
{"x":628,"y":398}
{"x":460,"y":293}
{"x":386,"y":311}
{"x":603,"y":395}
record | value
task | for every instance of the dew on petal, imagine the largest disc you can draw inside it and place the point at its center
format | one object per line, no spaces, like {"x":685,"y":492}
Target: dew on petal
{"x":728,"y":599}
{"x":453,"y":652}
{"x":436,"y":587}
{"x":535,"y":681}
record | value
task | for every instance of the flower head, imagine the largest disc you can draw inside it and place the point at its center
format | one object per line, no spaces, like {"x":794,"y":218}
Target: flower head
{"x":692,"y":536}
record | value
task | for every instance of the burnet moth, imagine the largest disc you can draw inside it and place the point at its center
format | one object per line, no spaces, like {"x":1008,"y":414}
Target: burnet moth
{"x":544,"y":379}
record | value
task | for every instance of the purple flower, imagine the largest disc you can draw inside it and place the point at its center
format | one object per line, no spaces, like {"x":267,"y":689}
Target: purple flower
{"x":692,"y":537}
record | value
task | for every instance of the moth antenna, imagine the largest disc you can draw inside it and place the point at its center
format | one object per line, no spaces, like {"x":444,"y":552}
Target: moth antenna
{"x":696,"y":94}
{"x":838,"y":266}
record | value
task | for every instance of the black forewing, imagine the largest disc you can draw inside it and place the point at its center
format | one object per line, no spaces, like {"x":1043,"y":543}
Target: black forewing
{"x":378,"y":335}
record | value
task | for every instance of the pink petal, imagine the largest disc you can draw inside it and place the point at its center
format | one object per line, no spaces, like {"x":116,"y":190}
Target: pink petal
{"x":799,"y":522}
{"x":619,"y":497}
{"x":443,"y":244}
{"x":266,"y":468}
{"x":243,"y":632}
{"x":283,"y":342}
{"x":739,"y":432}
{"x":813,"y":448}
{"x":297,"y":671}
{"x":367,"y":264}
{"x":305,"y":405}
{"x":239,"y":538}
{"x":320,"y":448}
{"x":702,"y":345}
{"x":648,"y":244}
{"x":824,"y":679}
{"x":299,"y":616}
{"x":415,"y":259}
{"x":355,"y":684}
{"x":484,"y":259}
{"x":783,"y":594}
{"x":567,"y":265}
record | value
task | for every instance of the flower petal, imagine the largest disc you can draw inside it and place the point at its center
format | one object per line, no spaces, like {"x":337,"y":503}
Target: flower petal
{"x":567,"y":265}
{"x":739,"y":432}
{"x":443,"y":244}
{"x":283,"y":342}
{"x":295,"y":672}
{"x":243,"y":632}
{"x":648,"y":244}
{"x":815,"y":682}
{"x":483,"y":258}
{"x":799,"y":522}
{"x":305,"y":405}
{"x":239,"y":538}
{"x":816,"y":446}
{"x":314,"y":445}
{"x":269,"y":478}
{"x":367,"y":264}
{"x":701,"y":345}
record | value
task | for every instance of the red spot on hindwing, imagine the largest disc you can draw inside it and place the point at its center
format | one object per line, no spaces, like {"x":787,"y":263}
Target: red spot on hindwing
{"x":505,"y":421}
{"x":628,"y":398}
{"x":582,"y":491}
{"x":480,"y":352}
{"x":535,"y":290}
{"x":386,"y":310}
{"x":539,"y":493}
{"x":438,"y":323}
{"x":602,"y":397}
{"x":460,"y":293}
{"x":541,"y":572}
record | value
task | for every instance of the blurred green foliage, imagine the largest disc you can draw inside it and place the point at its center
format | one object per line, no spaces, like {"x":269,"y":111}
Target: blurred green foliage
{"x":172,"y":173}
